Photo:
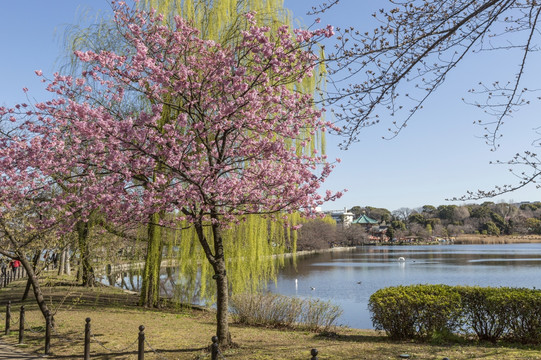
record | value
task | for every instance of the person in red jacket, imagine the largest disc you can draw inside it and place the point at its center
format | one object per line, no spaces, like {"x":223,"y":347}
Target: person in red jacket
{"x":15,"y":264}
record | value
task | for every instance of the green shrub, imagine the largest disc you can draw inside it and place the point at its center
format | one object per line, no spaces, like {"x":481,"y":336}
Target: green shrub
{"x":436,"y":311}
{"x":484,"y":312}
{"x":523,"y":308}
{"x":268,"y":309}
{"x":417,"y":311}
{"x":496,"y":313}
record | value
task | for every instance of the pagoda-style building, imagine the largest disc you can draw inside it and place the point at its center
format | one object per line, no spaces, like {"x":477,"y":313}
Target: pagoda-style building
{"x":365,"y":220}
{"x":376,"y":230}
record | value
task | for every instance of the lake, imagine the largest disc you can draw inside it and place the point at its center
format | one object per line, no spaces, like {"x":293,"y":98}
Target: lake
{"x":336,"y":275}
{"x":347,"y":278}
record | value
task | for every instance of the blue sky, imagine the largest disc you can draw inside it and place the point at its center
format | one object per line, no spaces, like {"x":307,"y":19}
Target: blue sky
{"x":438,"y":156}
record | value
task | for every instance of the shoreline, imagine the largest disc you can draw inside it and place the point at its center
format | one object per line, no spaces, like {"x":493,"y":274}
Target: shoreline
{"x":496,"y":239}
{"x":319,"y":251}
{"x":456,"y":240}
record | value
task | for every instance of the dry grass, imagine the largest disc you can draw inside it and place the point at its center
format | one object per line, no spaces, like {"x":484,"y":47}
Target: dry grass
{"x":491,"y":239}
{"x":186,"y":333}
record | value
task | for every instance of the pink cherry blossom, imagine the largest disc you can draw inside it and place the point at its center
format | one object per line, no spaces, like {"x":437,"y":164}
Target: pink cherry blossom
{"x":231,"y":147}
{"x":220,"y":133}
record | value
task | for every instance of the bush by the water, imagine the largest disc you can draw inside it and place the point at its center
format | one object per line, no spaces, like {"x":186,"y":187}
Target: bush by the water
{"x":484,"y":311}
{"x":269,"y":309}
{"x":422,"y":311}
{"x":318,"y":315}
{"x":507,"y":313}
{"x":417,"y":311}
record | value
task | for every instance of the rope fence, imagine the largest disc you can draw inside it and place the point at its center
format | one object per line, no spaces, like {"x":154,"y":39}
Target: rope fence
{"x":89,"y":338}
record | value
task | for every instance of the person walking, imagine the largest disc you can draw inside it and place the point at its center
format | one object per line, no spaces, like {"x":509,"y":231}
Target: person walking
{"x":55,"y":260}
{"x":15,"y":264}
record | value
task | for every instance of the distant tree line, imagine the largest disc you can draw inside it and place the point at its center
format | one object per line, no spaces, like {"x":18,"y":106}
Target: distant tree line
{"x":426,"y":222}
{"x":488,"y":218}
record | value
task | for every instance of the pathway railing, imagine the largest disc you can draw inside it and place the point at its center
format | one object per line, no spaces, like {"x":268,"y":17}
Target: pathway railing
{"x":90,"y":338}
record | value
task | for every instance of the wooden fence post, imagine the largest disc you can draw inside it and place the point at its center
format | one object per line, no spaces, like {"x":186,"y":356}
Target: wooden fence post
{"x":8,"y":317}
{"x":87,"y":339}
{"x":214,"y":348}
{"x":21,"y":325}
{"x":141,"y":349}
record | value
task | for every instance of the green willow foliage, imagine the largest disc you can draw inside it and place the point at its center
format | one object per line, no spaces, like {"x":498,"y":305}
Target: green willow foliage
{"x":255,"y":246}
{"x":252,"y":246}
{"x":223,"y":21}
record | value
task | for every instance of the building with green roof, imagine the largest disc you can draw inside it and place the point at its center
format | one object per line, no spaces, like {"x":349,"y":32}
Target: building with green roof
{"x":365,"y":220}
{"x":376,"y":230}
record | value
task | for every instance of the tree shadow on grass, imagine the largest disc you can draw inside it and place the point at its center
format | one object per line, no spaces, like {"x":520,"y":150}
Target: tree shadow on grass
{"x":112,"y":355}
{"x":353,"y":337}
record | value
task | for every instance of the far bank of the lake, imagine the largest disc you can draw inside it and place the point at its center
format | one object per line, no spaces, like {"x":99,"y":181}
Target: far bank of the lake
{"x":464,"y":239}
{"x":470,"y":239}
{"x":501,"y":239}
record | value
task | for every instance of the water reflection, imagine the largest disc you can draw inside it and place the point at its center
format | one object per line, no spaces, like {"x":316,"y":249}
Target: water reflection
{"x":348,"y":278}
{"x":336,"y":276}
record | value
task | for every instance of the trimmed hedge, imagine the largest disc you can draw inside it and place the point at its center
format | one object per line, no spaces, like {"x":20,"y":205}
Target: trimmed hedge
{"x":417,"y":311}
{"x":484,"y":311}
{"x":524,"y":315}
{"x":491,"y":314}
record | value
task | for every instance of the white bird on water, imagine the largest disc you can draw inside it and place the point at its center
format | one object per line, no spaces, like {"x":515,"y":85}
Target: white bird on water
{"x":312,"y":288}
{"x":401,"y":259}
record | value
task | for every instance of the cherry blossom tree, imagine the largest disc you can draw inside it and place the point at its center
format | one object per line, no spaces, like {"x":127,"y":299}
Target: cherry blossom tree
{"x":223,"y":22}
{"x":27,"y":224}
{"x":219,"y":138}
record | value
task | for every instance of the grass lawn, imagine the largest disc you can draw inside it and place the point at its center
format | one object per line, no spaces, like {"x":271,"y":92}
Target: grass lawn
{"x":186,"y":333}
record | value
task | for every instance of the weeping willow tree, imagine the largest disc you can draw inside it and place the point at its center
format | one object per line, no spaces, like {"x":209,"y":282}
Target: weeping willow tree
{"x":255,"y":246}
{"x":223,"y":21}
{"x":253,"y":242}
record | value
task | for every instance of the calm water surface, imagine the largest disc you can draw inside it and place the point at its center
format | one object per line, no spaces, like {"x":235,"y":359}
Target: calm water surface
{"x":348,"y":278}
{"x":336,"y":275}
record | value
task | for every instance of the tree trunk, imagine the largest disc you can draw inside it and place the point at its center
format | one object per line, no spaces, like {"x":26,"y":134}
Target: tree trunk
{"x":67,"y":266}
{"x":78,"y":275}
{"x":150,"y":289}
{"x":35,"y":261}
{"x":33,"y":279}
{"x":222,"y":303}
{"x":83,"y":232}
{"x":217,"y":260}
{"x":61,"y":261}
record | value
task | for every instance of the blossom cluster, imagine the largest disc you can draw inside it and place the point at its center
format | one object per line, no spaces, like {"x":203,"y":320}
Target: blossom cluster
{"x":176,"y":123}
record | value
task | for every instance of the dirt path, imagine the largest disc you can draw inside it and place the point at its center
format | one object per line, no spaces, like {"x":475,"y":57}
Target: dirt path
{"x":8,"y":352}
